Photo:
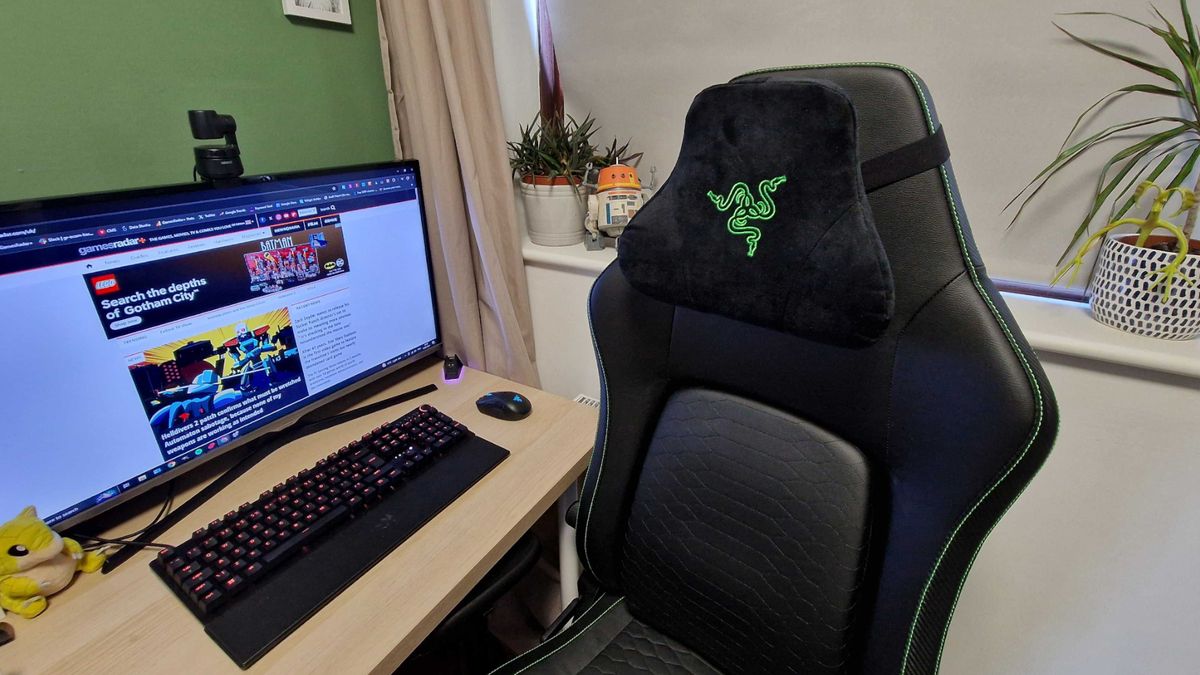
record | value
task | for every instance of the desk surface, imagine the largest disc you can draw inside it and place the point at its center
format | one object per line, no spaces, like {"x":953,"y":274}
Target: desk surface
{"x":128,"y":621}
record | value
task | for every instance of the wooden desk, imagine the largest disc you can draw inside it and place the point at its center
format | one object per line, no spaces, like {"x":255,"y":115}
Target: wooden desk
{"x":128,"y":621}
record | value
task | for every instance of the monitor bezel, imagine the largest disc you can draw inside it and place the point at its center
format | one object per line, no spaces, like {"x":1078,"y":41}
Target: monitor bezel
{"x":35,"y":204}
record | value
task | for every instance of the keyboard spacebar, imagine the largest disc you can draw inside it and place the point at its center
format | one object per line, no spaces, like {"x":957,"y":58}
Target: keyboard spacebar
{"x":303,"y":537}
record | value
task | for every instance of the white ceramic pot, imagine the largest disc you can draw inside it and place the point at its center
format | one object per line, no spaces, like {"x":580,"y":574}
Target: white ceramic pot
{"x":553,"y":214}
{"x":1122,"y":295}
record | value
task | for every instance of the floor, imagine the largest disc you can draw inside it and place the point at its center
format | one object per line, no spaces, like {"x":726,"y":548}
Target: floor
{"x":514,"y":625}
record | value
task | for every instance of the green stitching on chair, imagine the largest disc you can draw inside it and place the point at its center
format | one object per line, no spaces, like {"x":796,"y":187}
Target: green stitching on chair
{"x":748,"y":208}
{"x":584,"y":532}
{"x":1012,"y":341}
{"x":618,"y":601}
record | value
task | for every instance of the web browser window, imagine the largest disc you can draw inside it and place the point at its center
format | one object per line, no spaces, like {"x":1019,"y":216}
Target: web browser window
{"x":137,"y":345}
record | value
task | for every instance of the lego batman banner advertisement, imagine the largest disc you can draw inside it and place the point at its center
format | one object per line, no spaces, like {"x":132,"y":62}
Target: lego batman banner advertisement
{"x":199,"y":391}
{"x":136,"y":297}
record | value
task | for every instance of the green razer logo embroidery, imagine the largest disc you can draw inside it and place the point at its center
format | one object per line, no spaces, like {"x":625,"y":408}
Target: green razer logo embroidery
{"x":748,"y":208}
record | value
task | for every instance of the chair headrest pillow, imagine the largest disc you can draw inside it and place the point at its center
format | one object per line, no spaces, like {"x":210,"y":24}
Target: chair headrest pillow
{"x":765,"y":219}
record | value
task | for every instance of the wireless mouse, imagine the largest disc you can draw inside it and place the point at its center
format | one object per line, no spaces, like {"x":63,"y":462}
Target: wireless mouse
{"x":505,"y":405}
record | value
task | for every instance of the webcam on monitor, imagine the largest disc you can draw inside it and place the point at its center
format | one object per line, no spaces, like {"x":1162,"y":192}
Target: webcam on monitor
{"x":218,"y":164}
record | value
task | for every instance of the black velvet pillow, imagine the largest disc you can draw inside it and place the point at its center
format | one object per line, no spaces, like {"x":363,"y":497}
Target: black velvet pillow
{"x":764,"y":218}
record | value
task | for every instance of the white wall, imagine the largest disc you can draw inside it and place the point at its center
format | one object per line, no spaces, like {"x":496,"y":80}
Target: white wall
{"x":514,"y":45}
{"x":566,"y":360}
{"x":1006,"y":83}
{"x":1094,"y":569}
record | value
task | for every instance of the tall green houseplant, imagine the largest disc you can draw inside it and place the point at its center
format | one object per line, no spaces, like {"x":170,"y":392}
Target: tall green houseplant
{"x":1163,"y":140}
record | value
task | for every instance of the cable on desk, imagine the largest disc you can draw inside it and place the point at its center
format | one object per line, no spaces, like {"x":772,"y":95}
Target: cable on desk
{"x":126,"y":542}
{"x":162,"y":511}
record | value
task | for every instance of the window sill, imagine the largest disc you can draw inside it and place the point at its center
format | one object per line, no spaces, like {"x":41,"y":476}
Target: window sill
{"x":1066,"y":327}
{"x":573,"y":258}
{"x":1051,"y":325}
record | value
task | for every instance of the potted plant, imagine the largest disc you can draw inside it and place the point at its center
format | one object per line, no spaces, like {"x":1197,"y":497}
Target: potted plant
{"x":550,"y":159}
{"x":1142,"y":283}
{"x":1134,"y":286}
{"x":554,"y":153}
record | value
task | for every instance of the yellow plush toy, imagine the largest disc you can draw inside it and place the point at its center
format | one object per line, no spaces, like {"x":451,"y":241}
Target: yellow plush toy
{"x":35,"y":562}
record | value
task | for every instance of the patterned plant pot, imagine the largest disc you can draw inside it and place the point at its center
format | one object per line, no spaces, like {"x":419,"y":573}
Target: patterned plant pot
{"x":1122,"y":296}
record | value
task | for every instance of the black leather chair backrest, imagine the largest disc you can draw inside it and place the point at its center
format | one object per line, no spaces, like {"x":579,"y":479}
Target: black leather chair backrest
{"x":784,"y":506}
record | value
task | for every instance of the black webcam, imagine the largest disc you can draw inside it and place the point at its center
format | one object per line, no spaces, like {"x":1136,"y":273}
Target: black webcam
{"x":216,"y":163}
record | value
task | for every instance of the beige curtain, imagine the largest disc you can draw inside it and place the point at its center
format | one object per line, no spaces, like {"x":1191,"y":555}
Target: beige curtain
{"x":442,"y":91}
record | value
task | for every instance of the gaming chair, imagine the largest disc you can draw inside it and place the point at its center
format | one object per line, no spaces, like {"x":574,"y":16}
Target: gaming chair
{"x":815,"y":404}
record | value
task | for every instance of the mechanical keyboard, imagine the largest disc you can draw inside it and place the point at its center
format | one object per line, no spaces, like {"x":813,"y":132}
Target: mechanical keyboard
{"x":242,"y":575}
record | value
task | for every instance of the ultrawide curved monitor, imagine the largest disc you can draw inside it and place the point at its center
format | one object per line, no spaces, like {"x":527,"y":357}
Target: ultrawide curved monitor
{"x":148,"y":331}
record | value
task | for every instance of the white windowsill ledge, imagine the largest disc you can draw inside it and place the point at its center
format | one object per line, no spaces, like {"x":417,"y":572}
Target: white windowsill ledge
{"x":573,"y":258}
{"x":1055,"y":326}
{"x":1065,"y":327}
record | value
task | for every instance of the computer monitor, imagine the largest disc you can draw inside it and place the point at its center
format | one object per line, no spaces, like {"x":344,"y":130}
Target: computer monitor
{"x":147,"y":331}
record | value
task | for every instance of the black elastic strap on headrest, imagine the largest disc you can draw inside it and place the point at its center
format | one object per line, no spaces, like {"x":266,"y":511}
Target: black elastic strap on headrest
{"x":908,"y":160}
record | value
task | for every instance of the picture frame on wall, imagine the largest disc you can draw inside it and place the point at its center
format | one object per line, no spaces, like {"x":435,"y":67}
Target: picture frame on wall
{"x":337,"y":11}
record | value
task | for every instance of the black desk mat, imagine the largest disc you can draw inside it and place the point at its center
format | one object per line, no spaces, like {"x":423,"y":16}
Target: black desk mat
{"x":264,"y":615}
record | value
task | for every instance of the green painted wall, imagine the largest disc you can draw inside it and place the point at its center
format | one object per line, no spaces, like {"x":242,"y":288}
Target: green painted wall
{"x":94,"y":94}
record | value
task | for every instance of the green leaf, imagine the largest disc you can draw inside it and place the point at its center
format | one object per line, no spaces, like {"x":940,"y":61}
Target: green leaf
{"x":1094,"y":139}
{"x":1160,"y":71}
{"x":553,"y":147}
{"x":1189,"y":28}
{"x":1184,"y":171}
{"x":1103,"y":190}
{"x":1182,"y":51}
{"x":1134,"y":153}
{"x":1171,"y":31}
{"x":1112,"y":14}
{"x":1166,"y":157}
{"x":1071,"y":154}
{"x":1140,"y":88}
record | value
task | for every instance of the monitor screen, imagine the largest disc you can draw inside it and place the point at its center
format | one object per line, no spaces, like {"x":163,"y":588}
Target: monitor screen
{"x":150,"y":330}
